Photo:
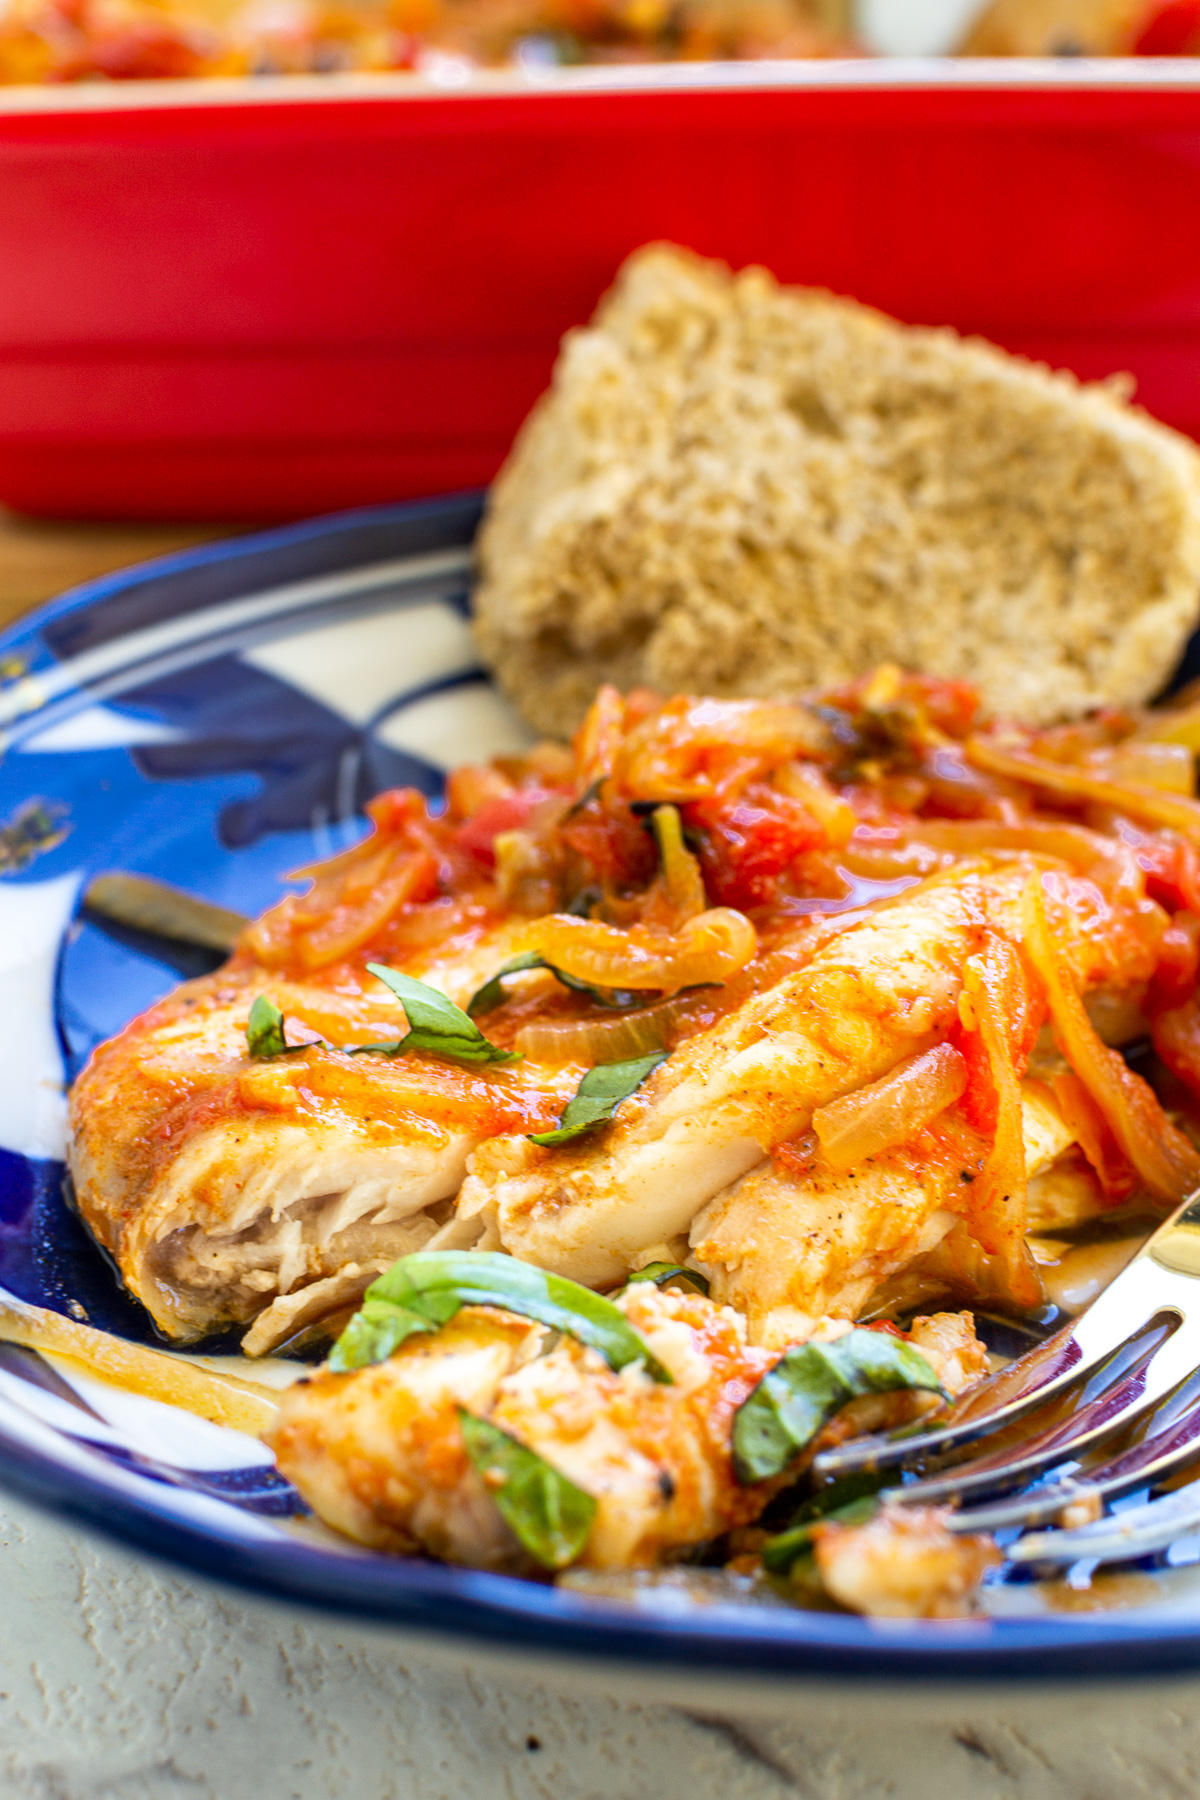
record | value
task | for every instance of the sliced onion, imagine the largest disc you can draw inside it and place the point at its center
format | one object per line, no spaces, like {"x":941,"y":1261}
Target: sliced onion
{"x":888,"y":1112}
{"x":680,"y":751}
{"x":1090,"y":1129}
{"x":324,"y":926}
{"x":613,"y":1039}
{"x":1169,"y":767}
{"x":1175,"y":812}
{"x":349,"y":926}
{"x":681,"y":871}
{"x":224,"y":1399}
{"x":1173,"y":725}
{"x":804,"y":781}
{"x":1167,"y":1163}
{"x":711,"y":947}
{"x":999,"y":1194}
{"x":1073,"y":844}
{"x":599,"y":737}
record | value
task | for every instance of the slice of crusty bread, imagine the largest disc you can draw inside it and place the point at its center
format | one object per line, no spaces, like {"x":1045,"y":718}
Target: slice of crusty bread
{"x":734,"y":487}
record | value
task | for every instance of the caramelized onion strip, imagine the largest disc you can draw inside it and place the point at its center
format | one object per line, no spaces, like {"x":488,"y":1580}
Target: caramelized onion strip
{"x":1092,"y":1133}
{"x":1173,"y":812}
{"x":711,"y":947}
{"x":1172,"y":725}
{"x":1073,"y":844}
{"x":1000,"y":1192}
{"x":1167,"y":1163}
{"x":1169,"y":767}
{"x":889,"y":1111}
{"x":616,"y":1038}
{"x":681,"y":751}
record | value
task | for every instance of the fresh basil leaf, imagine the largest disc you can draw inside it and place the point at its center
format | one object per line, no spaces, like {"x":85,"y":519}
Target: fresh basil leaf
{"x":491,"y":995}
{"x":548,"y":1514}
{"x":838,"y":1493}
{"x":580,"y":905}
{"x":264,"y":1031}
{"x":611,"y":997}
{"x":598,"y":1095}
{"x":435,"y":1023}
{"x":264,"y":1028}
{"x":376,"y":1329}
{"x":783,"y":1550}
{"x":808,"y":1385}
{"x":431,"y":1286}
{"x":660,"y":1273}
{"x":592,"y":792}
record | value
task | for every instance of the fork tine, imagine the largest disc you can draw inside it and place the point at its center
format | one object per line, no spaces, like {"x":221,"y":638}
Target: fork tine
{"x":1138,"y":1531}
{"x":1151,"y":1379}
{"x":1145,"y":1465}
{"x":1028,"y":1383}
{"x":1161,"y":1278}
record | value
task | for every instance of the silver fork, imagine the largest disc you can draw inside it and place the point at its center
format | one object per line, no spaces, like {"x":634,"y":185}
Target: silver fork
{"x":1134,"y":1350}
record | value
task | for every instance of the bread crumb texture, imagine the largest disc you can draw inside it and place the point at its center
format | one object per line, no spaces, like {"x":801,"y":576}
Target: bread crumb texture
{"x":734,"y":487}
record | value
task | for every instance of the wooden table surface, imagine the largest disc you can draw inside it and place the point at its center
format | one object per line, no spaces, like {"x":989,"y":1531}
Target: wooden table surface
{"x":42,"y":557}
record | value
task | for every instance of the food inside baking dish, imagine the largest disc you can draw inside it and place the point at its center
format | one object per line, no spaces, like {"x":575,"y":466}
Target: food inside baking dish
{"x":650,"y":1115}
{"x":59,"y":41}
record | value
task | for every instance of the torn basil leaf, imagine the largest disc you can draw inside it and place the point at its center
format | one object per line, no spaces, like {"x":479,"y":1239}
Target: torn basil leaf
{"x":808,"y":1385}
{"x":492,"y":994}
{"x":581,"y":904}
{"x":377,"y":1328}
{"x":592,"y":792}
{"x":264,"y":1031}
{"x":431,"y":1285}
{"x":435,"y":1023}
{"x":548,"y":1514}
{"x":597,"y":1097}
{"x":611,"y":997}
{"x":780,"y":1553}
{"x":662,"y":1273}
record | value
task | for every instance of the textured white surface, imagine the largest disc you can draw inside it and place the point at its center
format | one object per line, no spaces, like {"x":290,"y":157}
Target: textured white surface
{"x":121,"y":1681}
{"x":33,"y":917}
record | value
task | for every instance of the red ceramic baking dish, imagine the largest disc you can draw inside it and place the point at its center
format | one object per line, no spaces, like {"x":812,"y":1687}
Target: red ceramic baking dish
{"x":255,"y":300}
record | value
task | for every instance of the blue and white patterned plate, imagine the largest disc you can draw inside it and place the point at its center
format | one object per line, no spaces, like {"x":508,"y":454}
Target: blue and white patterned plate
{"x":215,"y":719}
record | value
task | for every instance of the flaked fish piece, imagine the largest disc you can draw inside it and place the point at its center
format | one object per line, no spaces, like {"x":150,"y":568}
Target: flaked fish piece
{"x":905,"y":1563}
{"x":379,"y":1453}
{"x":218,"y":1182}
{"x":874,"y":995}
{"x":789,"y":1249}
{"x":795,"y":1240}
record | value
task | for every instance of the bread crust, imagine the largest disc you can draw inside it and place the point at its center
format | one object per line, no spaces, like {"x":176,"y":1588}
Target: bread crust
{"x":735,"y":487}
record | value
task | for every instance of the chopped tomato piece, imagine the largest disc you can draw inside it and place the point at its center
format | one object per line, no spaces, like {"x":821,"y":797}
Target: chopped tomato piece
{"x":1172,"y":870}
{"x":1176,"y":1036}
{"x":507,"y":812}
{"x":610,"y":838}
{"x":746,"y":846}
